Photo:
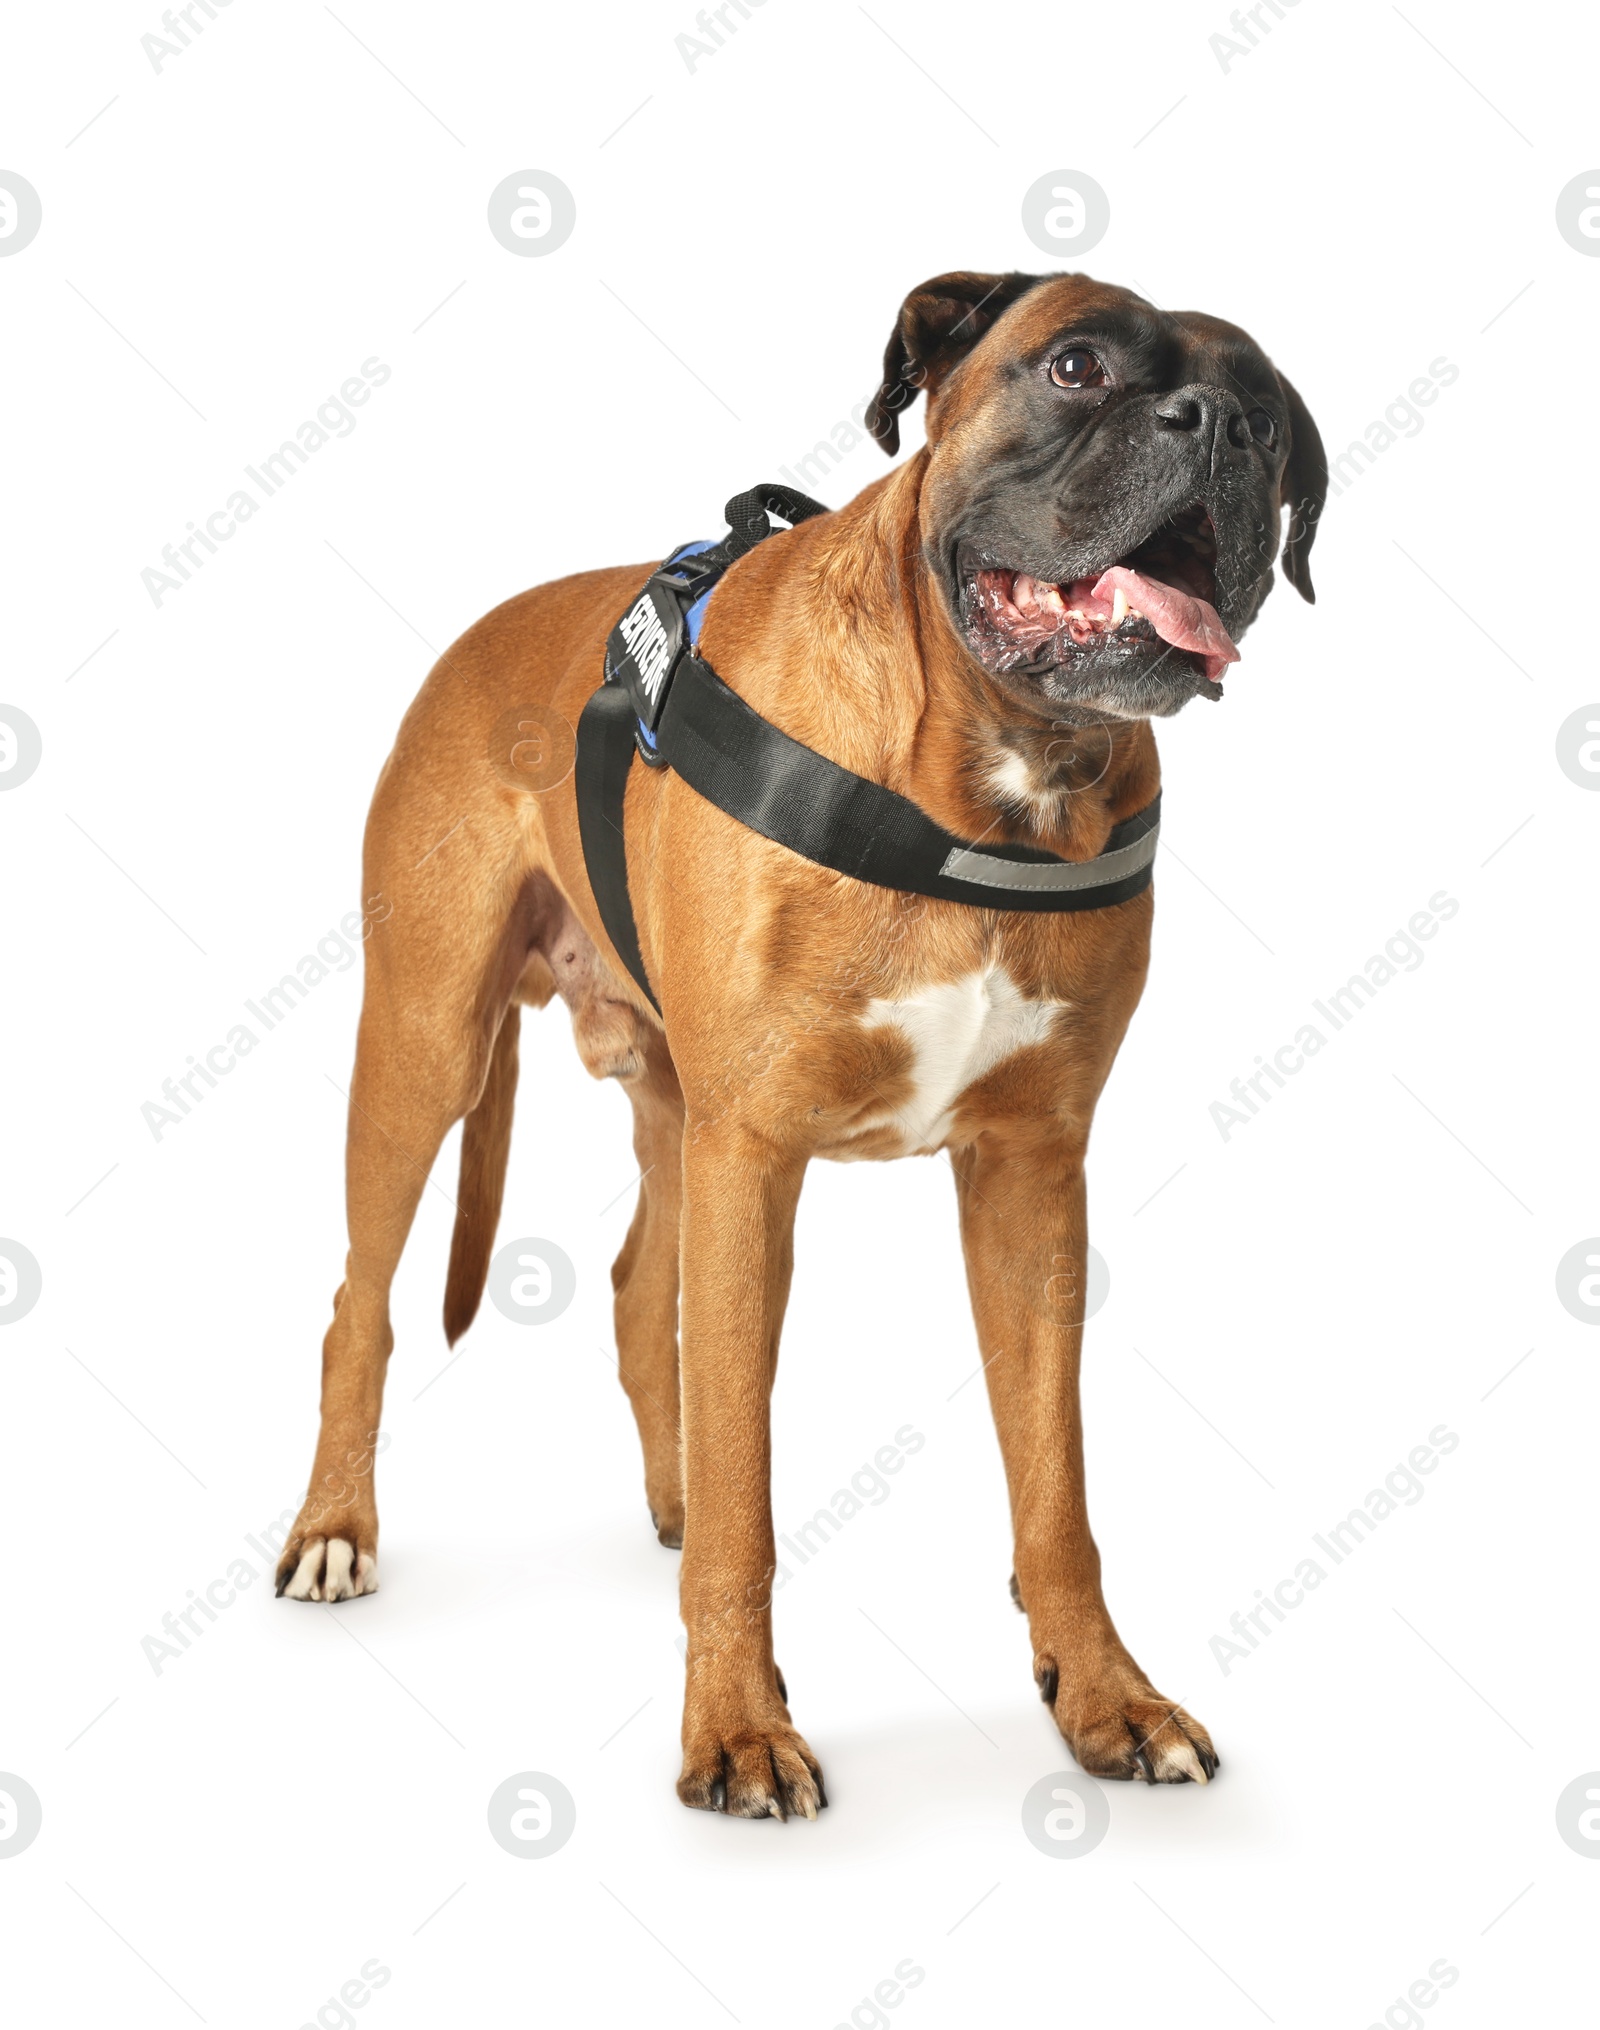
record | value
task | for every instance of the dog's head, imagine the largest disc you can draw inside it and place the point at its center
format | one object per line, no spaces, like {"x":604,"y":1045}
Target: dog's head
{"x":1105,"y":480}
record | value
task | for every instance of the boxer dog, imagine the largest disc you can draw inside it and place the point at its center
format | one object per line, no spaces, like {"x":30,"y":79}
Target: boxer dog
{"x":990,"y":631}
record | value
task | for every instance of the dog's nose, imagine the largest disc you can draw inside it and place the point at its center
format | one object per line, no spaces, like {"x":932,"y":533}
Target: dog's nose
{"x":1207,"y":411}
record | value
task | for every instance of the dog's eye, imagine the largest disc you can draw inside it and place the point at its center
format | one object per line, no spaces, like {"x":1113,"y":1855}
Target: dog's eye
{"x":1077,"y":368}
{"x":1262,"y":427}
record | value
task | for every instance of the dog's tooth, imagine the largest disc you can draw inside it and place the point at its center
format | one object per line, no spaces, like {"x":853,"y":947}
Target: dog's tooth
{"x":1119,"y":606}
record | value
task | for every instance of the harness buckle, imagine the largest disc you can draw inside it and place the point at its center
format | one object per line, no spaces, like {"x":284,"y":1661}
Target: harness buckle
{"x":689,"y":577}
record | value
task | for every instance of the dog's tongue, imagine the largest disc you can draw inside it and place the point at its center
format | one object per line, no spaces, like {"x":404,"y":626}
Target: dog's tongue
{"x":1178,"y":617}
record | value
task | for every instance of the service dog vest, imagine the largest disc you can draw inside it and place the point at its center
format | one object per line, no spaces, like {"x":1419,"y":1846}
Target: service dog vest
{"x":662,"y":700}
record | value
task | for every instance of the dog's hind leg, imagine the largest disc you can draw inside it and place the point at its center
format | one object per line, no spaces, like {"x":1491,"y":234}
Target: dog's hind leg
{"x":615,"y":1041}
{"x":413,"y":1081}
{"x":411,"y":1084}
{"x":645,"y":1278}
{"x":452,"y":932}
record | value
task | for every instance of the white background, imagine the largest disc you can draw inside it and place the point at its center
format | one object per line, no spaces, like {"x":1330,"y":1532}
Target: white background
{"x":302,"y":1789}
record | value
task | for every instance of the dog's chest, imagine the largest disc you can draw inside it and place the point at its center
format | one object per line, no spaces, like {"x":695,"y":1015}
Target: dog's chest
{"x":958,"y":1032}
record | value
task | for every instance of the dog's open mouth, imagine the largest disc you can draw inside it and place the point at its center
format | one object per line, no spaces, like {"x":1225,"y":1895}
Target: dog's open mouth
{"x":1161,"y":591}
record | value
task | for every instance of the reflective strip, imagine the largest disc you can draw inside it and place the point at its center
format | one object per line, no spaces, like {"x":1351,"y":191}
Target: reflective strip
{"x":988,"y":870}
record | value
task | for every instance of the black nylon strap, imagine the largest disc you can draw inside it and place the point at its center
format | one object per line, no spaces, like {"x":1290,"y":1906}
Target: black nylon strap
{"x":746,"y":515}
{"x":787,"y":792}
{"x":600,"y":776}
{"x":608,"y":725}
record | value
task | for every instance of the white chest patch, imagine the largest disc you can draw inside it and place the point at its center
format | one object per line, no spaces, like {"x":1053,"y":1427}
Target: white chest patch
{"x":1012,"y":779}
{"x":958,"y":1032}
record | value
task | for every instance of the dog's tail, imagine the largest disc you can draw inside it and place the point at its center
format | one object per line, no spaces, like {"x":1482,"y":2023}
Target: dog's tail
{"x":485,"y":1146}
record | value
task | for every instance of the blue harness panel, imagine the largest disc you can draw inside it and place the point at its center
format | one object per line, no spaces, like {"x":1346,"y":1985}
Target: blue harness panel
{"x":691,"y":620}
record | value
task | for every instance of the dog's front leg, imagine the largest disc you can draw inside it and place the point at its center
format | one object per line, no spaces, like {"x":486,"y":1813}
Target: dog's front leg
{"x":741,"y":1753}
{"x":1024,"y":1231}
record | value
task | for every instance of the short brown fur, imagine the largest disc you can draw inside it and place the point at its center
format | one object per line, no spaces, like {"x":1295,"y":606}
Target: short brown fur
{"x":765,"y":966}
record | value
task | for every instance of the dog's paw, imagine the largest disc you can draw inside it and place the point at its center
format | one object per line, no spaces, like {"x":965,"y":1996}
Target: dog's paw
{"x":755,"y":1773}
{"x":1131,"y":1736}
{"x":326,"y":1568}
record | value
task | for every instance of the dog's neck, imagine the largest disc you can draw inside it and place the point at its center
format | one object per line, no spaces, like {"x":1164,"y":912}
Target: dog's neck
{"x":878,"y":681}
{"x":954,"y":740}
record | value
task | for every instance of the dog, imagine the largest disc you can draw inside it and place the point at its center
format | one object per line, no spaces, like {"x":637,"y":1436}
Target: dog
{"x":989,"y":631}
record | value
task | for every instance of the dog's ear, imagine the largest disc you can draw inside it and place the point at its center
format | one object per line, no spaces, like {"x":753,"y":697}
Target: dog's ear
{"x":1304,"y":491}
{"x":939,"y":323}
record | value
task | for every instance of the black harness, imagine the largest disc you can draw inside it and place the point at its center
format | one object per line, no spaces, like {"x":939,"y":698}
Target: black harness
{"x":662,"y":701}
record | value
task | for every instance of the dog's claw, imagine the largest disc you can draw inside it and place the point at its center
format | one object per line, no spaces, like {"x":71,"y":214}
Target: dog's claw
{"x":326,"y":1569}
{"x":759,"y":1772}
{"x":1132,"y":1733}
